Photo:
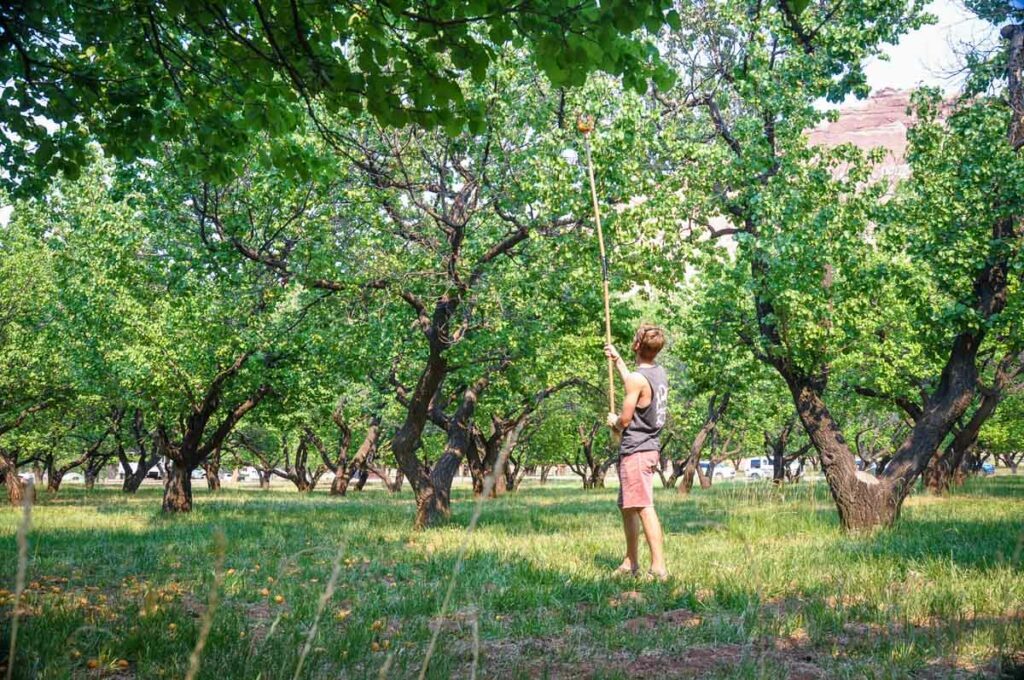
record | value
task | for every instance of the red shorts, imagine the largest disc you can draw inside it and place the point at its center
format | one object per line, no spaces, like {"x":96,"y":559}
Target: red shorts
{"x":636,"y":479}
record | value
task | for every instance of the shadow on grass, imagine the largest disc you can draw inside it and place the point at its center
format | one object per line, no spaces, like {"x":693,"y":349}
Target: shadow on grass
{"x":1003,"y":486}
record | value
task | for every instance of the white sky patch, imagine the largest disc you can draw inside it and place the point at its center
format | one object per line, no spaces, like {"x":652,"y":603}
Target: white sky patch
{"x":931,"y":54}
{"x":5,"y":214}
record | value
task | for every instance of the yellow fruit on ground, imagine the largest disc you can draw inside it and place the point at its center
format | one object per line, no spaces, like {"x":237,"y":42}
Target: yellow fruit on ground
{"x":92,"y":664}
{"x":122,"y":663}
{"x":265,"y":592}
{"x":374,"y":646}
{"x":279,"y":599}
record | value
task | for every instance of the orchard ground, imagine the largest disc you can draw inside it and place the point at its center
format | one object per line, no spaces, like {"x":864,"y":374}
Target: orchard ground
{"x":765,"y":585}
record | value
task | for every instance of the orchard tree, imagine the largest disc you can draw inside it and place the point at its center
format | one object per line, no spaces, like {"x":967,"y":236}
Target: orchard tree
{"x":216,"y":76}
{"x":136,"y":441}
{"x":464,"y":234}
{"x":34,"y":377}
{"x":811,"y":286}
{"x":1003,"y":434}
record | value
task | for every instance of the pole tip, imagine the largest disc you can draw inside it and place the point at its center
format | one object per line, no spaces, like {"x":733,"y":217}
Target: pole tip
{"x":585,"y":123}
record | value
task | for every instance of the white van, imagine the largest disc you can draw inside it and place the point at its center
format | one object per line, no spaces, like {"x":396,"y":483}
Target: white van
{"x":756,"y":468}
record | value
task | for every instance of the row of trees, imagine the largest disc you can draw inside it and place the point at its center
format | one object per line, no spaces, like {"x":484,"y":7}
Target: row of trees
{"x":282,"y":268}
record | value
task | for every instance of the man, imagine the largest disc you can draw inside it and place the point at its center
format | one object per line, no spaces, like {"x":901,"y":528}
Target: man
{"x":641,"y":421}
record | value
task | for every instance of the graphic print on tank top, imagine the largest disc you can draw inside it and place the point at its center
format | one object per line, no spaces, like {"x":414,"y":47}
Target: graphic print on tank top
{"x":661,"y":397}
{"x":643,"y":431}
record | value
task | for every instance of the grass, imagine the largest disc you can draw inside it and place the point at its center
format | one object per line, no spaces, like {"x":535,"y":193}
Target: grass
{"x":765,"y":585}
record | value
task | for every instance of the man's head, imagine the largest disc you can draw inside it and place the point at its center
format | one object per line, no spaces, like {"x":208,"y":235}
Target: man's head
{"x":648,"y":341}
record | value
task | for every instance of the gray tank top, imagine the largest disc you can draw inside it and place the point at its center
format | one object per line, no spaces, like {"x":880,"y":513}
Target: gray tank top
{"x":642,"y":432}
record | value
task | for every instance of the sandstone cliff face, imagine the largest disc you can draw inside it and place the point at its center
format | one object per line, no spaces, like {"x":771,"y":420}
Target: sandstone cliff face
{"x":879,"y":121}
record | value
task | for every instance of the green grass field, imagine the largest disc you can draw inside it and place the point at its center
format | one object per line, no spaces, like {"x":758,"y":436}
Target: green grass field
{"x":764,"y":585}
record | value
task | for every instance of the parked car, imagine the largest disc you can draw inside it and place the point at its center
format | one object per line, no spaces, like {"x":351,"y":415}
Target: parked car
{"x":722,"y":470}
{"x":248,"y":474}
{"x":199,"y":473}
{"x":154,"y":473}
{"x":867,"y":467}
{"x":74,"y":478}
{"x":988,"y":469}
{"x":756,"y":468}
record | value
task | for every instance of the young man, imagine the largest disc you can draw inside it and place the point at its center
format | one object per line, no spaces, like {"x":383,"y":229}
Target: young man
{"x":641,"y":421}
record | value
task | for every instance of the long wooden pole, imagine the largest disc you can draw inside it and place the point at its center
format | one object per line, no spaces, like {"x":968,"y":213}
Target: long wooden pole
{"x":604,"y":274}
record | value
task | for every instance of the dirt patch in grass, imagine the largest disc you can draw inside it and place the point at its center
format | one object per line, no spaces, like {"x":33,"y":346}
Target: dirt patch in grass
{"x":261,"y":618}
{"x":677,"y":618}
{"x":795,"y":656}
{"x":549,"y":658}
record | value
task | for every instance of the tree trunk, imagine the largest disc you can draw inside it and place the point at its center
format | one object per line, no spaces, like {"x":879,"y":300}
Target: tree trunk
{"x":944,"y":470}
{"x":692,"y":466}
{"x":346,"y":469}
{"x":15,"y":485}
{"x":545,"y":470}
{"x":779,"y":464}
{"x":264,"y":476}
{"x":408,"y":438}
{"x":677,"y":472}
{"x":213,"y":480}
{"x":361,"y":479}
{"x":38,"y":472}
{"x":434,"y":506}
{"x":93,"y":469}
{"x":53,"y":480}
{"x":178,"y":488}
{"x":133,"y":481}
{"x":340,"y":484}
{"x":863,"y":501}
{"x":211,"y":466}
{"x":705,"y":479}
{"x":712,"y":464}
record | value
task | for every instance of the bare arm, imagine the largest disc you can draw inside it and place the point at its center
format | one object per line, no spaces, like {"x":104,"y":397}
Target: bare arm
{"x":634,"y":388}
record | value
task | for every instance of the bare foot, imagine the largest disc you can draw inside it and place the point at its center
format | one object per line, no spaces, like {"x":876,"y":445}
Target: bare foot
{"x":660,"y":575}
{"x":627,"y":568}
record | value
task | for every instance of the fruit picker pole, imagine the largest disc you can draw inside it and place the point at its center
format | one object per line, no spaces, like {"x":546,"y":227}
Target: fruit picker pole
{"x":585,"y":124}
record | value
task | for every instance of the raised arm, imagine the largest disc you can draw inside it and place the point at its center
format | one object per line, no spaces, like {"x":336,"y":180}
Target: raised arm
{"x":620,"y":364}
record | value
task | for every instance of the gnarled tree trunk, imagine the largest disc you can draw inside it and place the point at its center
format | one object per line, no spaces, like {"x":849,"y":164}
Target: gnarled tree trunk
{"x":716,"y":409}
{"x":146,"y":461}
{"x":178,"y":488}
{"x":196,"y":444}
{"x":946,"y":468}
{"x":343,"y":468}
{"x":591,"y":469}
{"x":211,"y":466}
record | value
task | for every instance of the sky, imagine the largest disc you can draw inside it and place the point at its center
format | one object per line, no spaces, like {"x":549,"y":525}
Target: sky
{"x":928,"y":56}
